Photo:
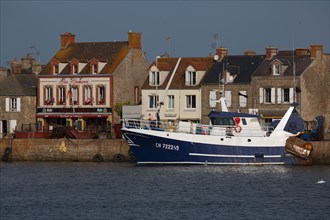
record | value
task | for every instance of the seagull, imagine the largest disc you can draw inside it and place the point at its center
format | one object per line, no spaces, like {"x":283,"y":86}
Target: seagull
{"x":321,"y":181}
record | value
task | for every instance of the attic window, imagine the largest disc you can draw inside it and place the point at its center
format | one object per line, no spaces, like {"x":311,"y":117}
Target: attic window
{"x":276,"y":69}
{"x":94,"y":68}
{"x":154,"y":78}
{"x":55,"y":69}
{"x":191,"y":78}
{"x":74,"y":68}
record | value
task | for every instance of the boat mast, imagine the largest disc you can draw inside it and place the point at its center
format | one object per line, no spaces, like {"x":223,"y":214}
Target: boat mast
{"x":294,"y":70}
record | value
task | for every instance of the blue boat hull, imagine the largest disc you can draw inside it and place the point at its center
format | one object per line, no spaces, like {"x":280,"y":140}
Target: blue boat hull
{"x":151,"y":149}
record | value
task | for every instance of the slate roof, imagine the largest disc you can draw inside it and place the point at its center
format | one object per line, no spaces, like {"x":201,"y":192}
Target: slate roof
{"x":110,"y":52}
{"x":178,"y":82}
{"x":286,"y":58}
{"x":19,"y":85}
{"x":243,"y":66}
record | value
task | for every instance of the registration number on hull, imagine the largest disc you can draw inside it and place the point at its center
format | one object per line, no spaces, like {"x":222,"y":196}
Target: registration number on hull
{"x":167,"y":146}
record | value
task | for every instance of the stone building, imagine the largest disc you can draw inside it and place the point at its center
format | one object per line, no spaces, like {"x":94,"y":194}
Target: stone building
{"x":230,"y":75}
{"x":84,"y":81}
{"x":300,"y":76}
{"x":18,"y":96}
{"x":268,"y":84}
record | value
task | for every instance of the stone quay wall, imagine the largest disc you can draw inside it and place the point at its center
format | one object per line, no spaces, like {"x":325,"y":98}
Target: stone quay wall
{"x":66,"y":149}
{"x":99,"y":150}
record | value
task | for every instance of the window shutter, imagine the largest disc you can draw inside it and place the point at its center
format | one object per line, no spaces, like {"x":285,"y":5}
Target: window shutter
{"x":12,"y":126}
{"x":279,"y":95}
{"x":150,"y":78}
{"x":7,"y":104}
{"x":261,"y":95}
{"x":228,"y":98}
{"x":212,"y":99}
{"x":18,"y":104}
{"x":273,"y":95}
{"x":242,"y":99}
{"x":291,"y":95}
{"x":187,"y":78}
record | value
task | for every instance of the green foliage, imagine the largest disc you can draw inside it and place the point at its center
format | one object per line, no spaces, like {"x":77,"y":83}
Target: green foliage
{"x":119,"y":107}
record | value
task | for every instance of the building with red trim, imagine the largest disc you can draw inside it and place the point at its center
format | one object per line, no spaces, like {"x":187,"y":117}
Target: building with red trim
{"x":83,"y":82}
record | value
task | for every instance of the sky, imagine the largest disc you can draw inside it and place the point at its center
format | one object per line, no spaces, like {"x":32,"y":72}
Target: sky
{"x":180,"y":28}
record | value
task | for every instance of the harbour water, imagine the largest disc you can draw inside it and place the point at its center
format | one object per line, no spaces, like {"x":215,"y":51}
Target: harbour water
{"x":63,"y":190}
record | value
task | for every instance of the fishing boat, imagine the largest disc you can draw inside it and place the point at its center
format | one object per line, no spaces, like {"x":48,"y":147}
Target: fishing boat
{"x":231,"y":138}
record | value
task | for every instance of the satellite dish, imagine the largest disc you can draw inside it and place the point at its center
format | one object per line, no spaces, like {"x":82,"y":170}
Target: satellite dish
{"x":216,"y":57}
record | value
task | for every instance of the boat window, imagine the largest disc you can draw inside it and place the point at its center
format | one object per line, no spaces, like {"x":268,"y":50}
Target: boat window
{"x":244,"y":121}
{"x":222,"y":121}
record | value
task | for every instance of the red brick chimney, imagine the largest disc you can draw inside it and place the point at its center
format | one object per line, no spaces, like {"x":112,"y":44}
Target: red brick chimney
{"x":270,"y":52}
{"x":66,"y":39}
{"x":134,"y":40}
{"x":222,"y":52}
{"x":316,"y":51}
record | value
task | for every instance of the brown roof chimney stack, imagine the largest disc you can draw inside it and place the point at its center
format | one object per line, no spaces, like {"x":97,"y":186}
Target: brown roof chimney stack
{"x":134,"y":40}
{"x":249,"y":53}
{"x":222,"y":52}
{"x":66,"y":39}
{"x":270,"y":52}
{"x":302,"y":51}
{"x":316,"y":51}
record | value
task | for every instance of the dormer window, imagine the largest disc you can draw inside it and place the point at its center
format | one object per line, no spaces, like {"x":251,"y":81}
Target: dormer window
{"x":55,"y":69}
{"x":94,"y":66}
{"x":94,"y":69}
{"x":55,"y":66}
{"x":276,"y":69}
{"x":154,"y":78}
{"x":191,"y":78}
{"x":74,"y":68}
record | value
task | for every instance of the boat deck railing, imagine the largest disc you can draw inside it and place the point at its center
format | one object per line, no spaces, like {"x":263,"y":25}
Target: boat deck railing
{"x":194,"y":128}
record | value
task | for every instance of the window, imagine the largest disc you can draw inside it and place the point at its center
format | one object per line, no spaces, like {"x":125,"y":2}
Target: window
{"x":61,"y":95}
{"x":284,"y":95}
{"x":190,"y":101}
{"x":74,"y":68}
{"x":276,"y":69}
{"x":153,"y":100}
{"x":75,"y":95}
{"x":13,"y":104}
{"x":191,"y":78}
{"x":87,"y":95}
{"x":94,"y":68}
{"x":267,"y":95}
{"x":101,"y":95}
{"x":55,"y":69}
{"x":154,"y":78}
{"x":48,"y":95}
{"x":170,"y":104}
